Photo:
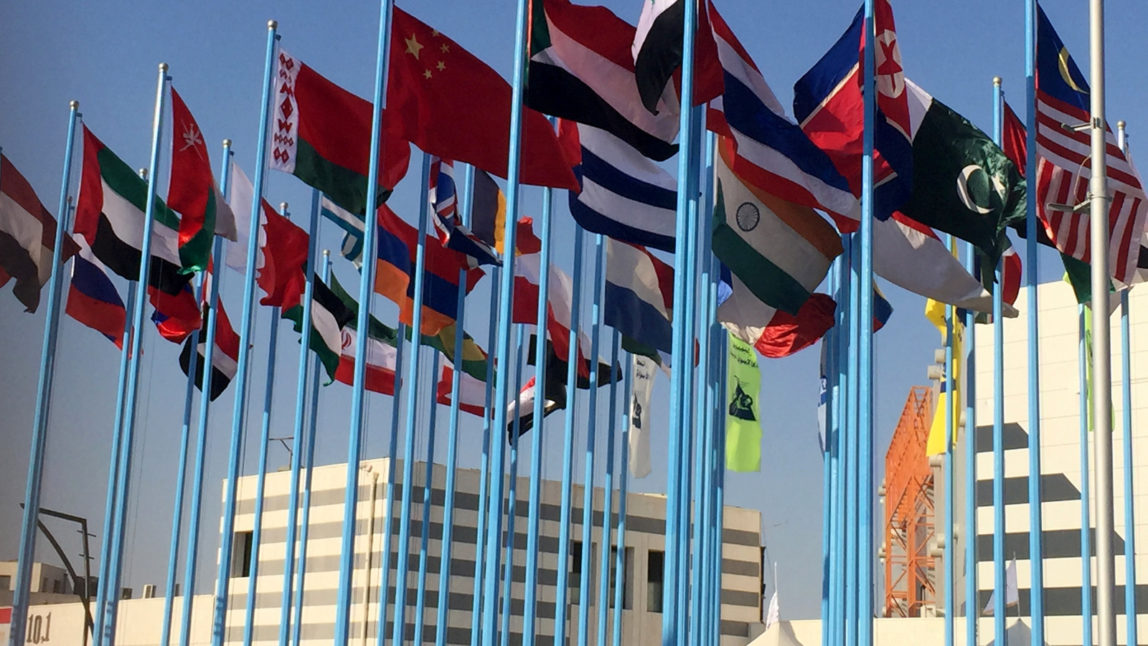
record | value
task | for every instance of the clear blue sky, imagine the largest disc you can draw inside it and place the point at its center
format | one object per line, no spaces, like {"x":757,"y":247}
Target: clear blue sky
{"x":105,"y":55}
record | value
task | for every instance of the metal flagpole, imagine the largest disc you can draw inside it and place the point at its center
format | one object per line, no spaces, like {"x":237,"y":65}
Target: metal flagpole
{"x":1085,"y":485}
{"x":465,"y":208}
{"x":502,"y":381}
{"x":850,"y":505}
{"x":608,"y":498}
{"x":388,"y":509}
{"x":512,"y":500}
{"x":972,"y":605}
{"x":623,"y":488}
{"x":562,"y":592}
{"x":680,"y":372}
{"x":115,"y":565}
{"x":999,"y":635}
{"x":1126,"y":419}
{"x":43,"y":401}
{"x":829,"y":508}
{"x":428,"y":488}
{"x":1101,"y":344}
{"x":261,"y":472}
{"x":840,"y":424}
{"x":1036,"y":531}
{"x":719,"y":492}
{"x":950,"y":464}
{"x":305,"y":521}
{"x":191,"y":559}
{"x":297,"y":429}
{"x":222,"y":579}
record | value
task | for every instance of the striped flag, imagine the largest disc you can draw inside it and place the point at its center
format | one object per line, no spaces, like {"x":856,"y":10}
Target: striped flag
{"x":331,"y":314}
{"x":472,"y":391}
{"x":92,"y":298}
{"x":657,"y":51}
{"x":352,"y":226}
{"x":447,"y":223}
{"x":638,"y":300}
{"x":224,"y":361}
{"x":1063,"y":172}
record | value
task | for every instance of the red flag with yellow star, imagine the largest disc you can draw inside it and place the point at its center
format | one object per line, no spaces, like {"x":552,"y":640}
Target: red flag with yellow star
{"x":451,"y":104}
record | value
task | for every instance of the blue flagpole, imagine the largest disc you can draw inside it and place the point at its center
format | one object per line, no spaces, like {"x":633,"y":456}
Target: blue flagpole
{"x":441,"y":613}
{"x":561,"y":594}
{"x":840,"y":421}
{"x":181,"y":476}
{"x":389,"y":507}
{"x":1085,"y":486}
{"x":972,"y":603}
{"x":476,"y":609}
{"x":680,"y":372}
{"x":719,"y":469}
{"x":226,"y":539}
{"x":305,"y":521}
{"x":43,"y":401}
{"x":297,"y":429}
{"x":999,"y":635}
{"x":502,"y":382}
{"x":402,"y":565}
{"x":591,"y":445}
{"x":950,"y":481}
{"x":366,"y":285}
{"x":608,"y":498}
{"x":115,"y":566}
{"x":428,"y":485}
{"x":512,"y":501}
{"x":1126,"y":419}
{"x":191,"y":559}
{"x":851,"y":464}
{"x":829,"y":509}
{"x":623,"y":489}
{"x":261,"y":472}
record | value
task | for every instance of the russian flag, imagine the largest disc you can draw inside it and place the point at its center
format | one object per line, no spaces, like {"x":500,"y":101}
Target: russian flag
{"x":639,"y":294}
{"x":394,"y":278}
{"x":92,"y":298}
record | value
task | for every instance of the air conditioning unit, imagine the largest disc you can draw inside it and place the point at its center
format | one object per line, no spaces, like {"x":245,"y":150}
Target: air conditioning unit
{"x":149,"y":591}
{"x":929,"y":610}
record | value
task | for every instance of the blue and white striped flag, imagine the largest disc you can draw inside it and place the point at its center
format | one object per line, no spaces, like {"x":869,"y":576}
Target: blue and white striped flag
{"x":351,"y":224}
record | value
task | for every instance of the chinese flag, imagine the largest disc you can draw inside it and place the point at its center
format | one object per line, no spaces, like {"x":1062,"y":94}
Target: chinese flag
{"x":449,"y":103}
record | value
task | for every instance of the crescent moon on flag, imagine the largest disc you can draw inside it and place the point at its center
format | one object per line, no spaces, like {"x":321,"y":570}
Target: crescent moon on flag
{"x":1064,"y":73}
{"x":963,"y":189}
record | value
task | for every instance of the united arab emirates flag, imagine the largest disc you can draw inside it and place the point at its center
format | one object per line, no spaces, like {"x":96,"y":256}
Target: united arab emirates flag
{"x":110,"y":216}
{"x":963,"y":183}
{"x":329,"y":316}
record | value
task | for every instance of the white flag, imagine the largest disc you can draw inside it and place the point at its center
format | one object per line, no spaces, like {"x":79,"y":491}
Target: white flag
{"x":773,"y":614}
{"x":1012,"y":591}
{"x":643,"y":388}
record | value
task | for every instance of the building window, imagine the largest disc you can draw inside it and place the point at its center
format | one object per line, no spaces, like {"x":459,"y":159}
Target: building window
{"x":627,"y":578}
{"x":655,"y":571}
{"x":5,"y":582}
{"x":241,"y":555}
{"x":575,"y":570}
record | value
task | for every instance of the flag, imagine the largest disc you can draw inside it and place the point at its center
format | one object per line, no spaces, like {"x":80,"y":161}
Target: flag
{"x":743,"y":420}
{"x":779,"y":250}
{"x":472,"y":390}
{"x":624,"y":195}
{"x":638,"y":299}
{"x":581,"y":69}
{"x":473,"y":360}
{"x":92,"y":298}
{"x":27,"y":236}
{"x":193,"y":192}
{"x":773,"y":613}
{"x":657,"y":52}
{"x":352,"y":226}
{"x":769,"y":149}
{"x":555,"y":380}
{"x":527,"y":280}
{"x":433,"y":81}
{"x":1012,"y":590}
{"x":448,"y":225}
{"x":110,"y":215}
{"x":823,"y":401}
{"x":488,"y":210}
{"x":176,"y":316}
{"x":332,"y":312}
{"x":828,"y":104}
{"x":946,"y":401}
{"x":395,"y":273}
{"x":239,"y":194}
{"x":225,"y":359}
{"x":321,"y":134}
{"x":786,"y":334}
{"x":1063,"y":170}
{"x":640,"y":429}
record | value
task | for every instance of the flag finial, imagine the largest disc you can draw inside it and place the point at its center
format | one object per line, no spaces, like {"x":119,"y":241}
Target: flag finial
{"x":226,"y":143}
{"x":1121,"y":124}
{"x":326,"y":254}
{"x":272,"y":24}
{"x":163,"y":67}
{"x":283,"y":207}
{"x":997,"y":81}
{"x":75,"y":105}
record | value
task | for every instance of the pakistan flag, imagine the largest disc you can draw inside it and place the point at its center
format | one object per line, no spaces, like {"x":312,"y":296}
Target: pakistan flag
{"x":962,"y":182}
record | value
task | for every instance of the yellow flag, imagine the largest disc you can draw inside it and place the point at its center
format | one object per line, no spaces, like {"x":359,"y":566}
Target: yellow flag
{"x":935,"y":312}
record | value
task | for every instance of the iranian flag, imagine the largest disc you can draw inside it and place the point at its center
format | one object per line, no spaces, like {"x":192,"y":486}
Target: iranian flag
{"x":330,"y":315}
{"x":321,"y":134}
{"x":382,"y":348}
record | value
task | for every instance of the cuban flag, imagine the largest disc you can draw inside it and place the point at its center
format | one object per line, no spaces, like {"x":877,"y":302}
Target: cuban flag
{"x":92,"y":298}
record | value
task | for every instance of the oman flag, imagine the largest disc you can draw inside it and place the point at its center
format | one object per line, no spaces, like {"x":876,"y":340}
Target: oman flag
{"x":193,"y":192}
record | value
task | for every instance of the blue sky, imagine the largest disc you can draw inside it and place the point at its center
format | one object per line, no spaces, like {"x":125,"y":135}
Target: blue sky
{"x":105,"y":55}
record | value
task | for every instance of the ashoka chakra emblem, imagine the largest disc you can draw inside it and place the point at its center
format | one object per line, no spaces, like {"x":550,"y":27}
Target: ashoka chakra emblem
{"x":748,"y":216}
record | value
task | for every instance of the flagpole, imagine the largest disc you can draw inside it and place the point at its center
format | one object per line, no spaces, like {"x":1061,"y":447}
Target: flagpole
{"x":998,"y":409}
{"x":261,"y":474}
{"x":851,"y":464}
{"x":428,"y":485}
{"x":719,"y":493}
{"x":950,"y":483}
{"x":222,"y":579}
{"x":972,"y":604}
{"x":840,"y":422}
{"x":1101,"y":349}
{"x":190,"y":560}
{"x":297,"y":429}
{"x":562,"y":589}
{"x":181,"y":473}
{"x":441,"y":615}
{"x":305,"y":521}
{"x":402,"y":565}
{"x":502,"y":382}
{"x":623,"y":488}
{"x":1085,"y":483}
{"x":43,"y":401}
{"x":132,"y":392}
{"x":1126,"y":419}
{"x":828,"y":572}
{"x":512,"y":499}
{"x":680,"y":372}
{"x":608,"y":497}
{"x":388,"y":509}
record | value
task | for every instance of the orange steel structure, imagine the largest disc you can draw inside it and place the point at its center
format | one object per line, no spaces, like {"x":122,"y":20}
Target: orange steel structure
{"x":910,"y":581}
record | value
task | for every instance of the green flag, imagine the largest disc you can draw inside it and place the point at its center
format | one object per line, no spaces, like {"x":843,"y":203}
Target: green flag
{"x":743,"y":421}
